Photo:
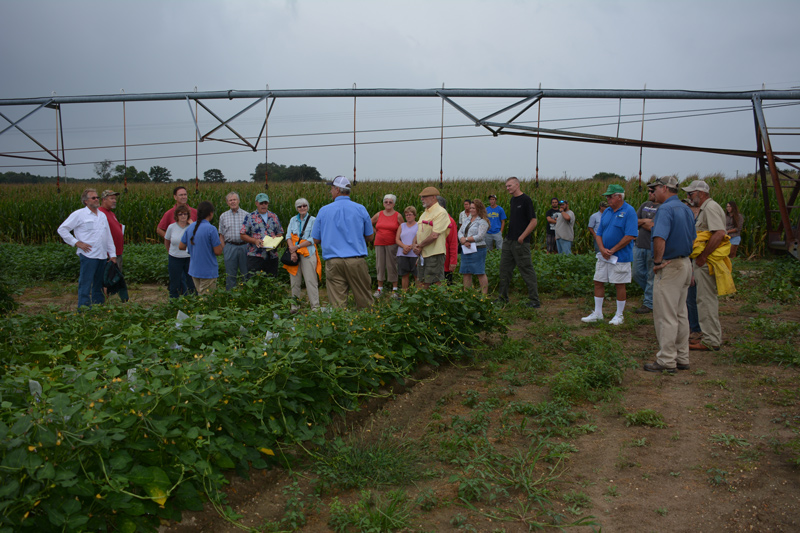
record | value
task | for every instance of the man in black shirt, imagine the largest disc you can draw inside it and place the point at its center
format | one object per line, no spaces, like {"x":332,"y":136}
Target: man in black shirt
{"x":516,"y":251}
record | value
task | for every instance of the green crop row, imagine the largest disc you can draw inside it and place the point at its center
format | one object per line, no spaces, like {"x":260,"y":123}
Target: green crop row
{"x":30,"y":214}
{"x":117,"y":417}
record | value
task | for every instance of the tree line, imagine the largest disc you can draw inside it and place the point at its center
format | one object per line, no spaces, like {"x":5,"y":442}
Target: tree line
{"x":104,"y":171}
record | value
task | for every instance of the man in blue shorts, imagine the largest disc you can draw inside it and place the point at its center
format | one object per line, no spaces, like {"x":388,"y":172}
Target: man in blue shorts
{"x":614,"y":237}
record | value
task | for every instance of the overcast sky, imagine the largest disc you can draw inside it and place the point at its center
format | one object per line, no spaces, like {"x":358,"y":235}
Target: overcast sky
{"x":74,"y":47}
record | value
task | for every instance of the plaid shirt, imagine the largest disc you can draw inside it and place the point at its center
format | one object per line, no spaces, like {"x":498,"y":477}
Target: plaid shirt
{"x":230,"y":225}
{"x":259,"y":226}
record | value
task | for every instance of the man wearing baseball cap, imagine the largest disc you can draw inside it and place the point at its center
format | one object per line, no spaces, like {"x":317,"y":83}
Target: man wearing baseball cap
{"x":672,"y":234}
{"x":614,"y":237}
{"x":259,"y":224}
{"x":108,"y":202}
{"x":430,"y":241}
{"x":342,"y":229}
{"x":711,"y":248}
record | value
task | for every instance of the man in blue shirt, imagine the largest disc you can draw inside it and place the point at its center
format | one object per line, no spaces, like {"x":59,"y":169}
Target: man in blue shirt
{"x":497,"y":223}
{"x":343,"y":228}
{"x":614,"y":237}
{"x":673,"y":236}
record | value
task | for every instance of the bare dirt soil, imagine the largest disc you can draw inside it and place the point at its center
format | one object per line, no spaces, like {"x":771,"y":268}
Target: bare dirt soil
{"x":718,"y":465}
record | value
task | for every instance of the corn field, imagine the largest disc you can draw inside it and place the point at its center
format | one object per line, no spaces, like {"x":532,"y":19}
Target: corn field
{"x":30,"y":214}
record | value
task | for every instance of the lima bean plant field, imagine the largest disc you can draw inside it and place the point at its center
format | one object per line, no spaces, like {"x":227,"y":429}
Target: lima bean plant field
{"x":438,"y":411}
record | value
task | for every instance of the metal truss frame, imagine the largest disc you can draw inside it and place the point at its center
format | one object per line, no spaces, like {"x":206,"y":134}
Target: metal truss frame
{"x":783,"y":233}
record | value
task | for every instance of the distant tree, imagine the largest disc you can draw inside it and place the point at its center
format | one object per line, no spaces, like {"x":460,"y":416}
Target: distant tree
{"x":283,"y":173}
{"x":103,"y":169}
{"x":605,"y":176}
{"x":121,"y":173}
{"x":213,"y":175}
{"x":160,"y":174}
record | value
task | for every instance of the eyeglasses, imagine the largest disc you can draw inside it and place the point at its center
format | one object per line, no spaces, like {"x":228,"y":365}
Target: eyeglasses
{"x":301,"y":206}
{"x":263,"y":203}
{"x":94,"y":198}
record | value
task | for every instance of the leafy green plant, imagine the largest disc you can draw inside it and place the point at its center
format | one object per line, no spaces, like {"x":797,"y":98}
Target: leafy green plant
{"x":645,"y":417}
{"x":728,"y":440}
{"x":717,"y":476}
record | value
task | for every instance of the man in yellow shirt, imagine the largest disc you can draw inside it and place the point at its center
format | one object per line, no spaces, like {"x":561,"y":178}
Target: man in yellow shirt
{"x":429,"y":243}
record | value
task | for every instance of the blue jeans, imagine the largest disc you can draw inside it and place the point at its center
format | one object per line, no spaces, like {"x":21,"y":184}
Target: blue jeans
{"x":90,"y":283}
{"x":564,"y":246}
{"x":180,"y":282}
{"x":642,"y":270}
{"x":691,"y":305}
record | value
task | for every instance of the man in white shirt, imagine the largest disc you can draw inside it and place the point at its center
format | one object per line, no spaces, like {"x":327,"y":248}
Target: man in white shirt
{"x":87,"y":230}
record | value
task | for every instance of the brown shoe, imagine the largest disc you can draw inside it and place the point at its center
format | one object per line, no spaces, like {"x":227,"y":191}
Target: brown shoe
{"x":655,"y":367}
{"x":699,"y":346}
{"x":695,"y":336}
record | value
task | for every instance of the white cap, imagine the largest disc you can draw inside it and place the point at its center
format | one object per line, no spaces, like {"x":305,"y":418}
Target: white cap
{"x":341,"y":182}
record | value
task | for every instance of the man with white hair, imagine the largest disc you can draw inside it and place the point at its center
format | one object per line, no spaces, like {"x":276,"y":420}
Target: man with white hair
{"x":343,"y":228}
{"x":94,"y":244}
{"x":235,"y":250}
{"x":711,"y":237}
{"x":614,"y":237}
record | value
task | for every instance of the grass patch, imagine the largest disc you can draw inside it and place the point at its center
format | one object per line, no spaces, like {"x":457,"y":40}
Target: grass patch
{"x":645,"y":417}
{"x":357,"y":465}
{"x":371,"y":513}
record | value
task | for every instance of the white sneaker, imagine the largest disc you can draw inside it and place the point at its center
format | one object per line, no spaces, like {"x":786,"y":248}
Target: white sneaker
{"x":377,"y":294}
{"x":594,"y":317}
{"x":617,"y":320}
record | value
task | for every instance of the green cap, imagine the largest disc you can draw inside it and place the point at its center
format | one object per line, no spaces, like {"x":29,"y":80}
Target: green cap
{"x":262,"y":197}
{"x":614,"y":189}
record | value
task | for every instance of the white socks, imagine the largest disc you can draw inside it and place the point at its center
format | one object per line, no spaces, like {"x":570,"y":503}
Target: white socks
{"x":598,"y":306}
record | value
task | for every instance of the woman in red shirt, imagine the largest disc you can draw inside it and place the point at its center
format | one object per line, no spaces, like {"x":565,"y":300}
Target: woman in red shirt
{"x":386,"y":223}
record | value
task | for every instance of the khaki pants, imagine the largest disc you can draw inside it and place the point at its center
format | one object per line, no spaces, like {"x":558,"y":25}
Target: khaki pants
{"x":204,"y":286}
{"x":307,"y":269}
{"x":386,"y":262}
{"x":670,"y":316}
{"x":708,"y":306}
{"x":349,"y":273}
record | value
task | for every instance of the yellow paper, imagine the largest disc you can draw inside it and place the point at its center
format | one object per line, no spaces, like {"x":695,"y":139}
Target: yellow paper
{"x":271,"y":242}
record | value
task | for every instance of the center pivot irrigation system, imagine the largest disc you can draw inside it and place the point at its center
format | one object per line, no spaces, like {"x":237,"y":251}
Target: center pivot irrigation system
{"x":779,"y":189}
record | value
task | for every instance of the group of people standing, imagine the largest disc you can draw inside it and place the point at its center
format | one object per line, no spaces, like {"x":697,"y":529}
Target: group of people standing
{"x":677,"y":246}
{"x":653,"y":245}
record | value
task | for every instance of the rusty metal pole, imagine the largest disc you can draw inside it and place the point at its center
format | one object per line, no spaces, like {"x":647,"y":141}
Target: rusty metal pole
{"x":790,"y":241}
{"x":538,"y":125}
{"x":441,"y":148}
{"x":641,"y":148}
{"x":354,"y":136}
{"x":58,"y":173}
{"x":124,"y":145}
{"x":266,"y":146}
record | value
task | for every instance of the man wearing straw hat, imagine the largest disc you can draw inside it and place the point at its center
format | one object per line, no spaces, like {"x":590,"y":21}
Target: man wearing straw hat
{"x":430,"y":241}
